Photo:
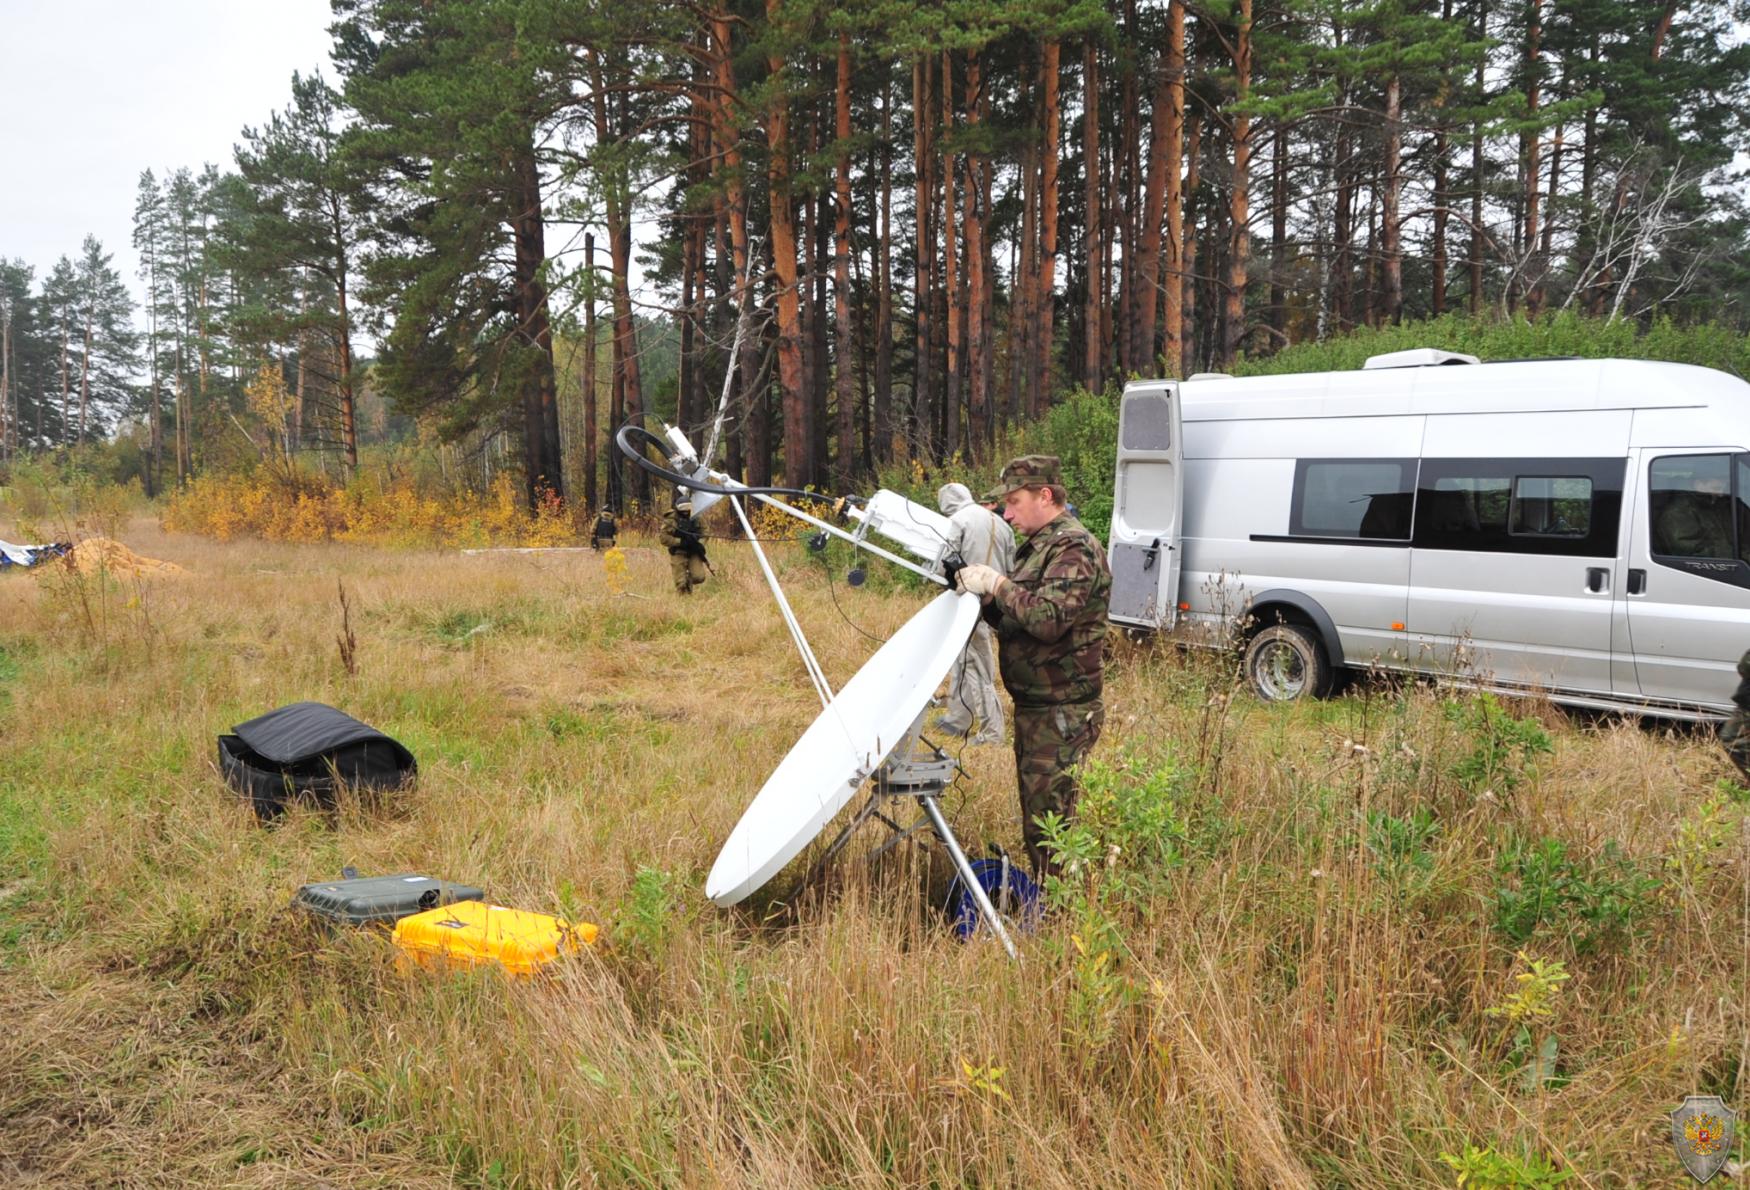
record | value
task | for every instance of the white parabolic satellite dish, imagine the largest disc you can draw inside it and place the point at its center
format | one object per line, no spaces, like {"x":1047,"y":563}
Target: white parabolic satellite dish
{"x":840,"y":749}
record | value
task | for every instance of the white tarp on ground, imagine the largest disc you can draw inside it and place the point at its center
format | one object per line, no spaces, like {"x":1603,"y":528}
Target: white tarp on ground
{"x":28,"y":555}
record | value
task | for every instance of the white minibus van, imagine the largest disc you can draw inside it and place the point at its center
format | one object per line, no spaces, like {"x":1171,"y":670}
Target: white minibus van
{"x":1577,"y":527}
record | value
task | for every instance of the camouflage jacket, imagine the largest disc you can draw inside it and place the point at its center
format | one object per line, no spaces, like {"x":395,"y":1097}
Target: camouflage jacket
{"x":681,"y":534}
{"x":1050,"y":617}
{"x":1741,"y":695}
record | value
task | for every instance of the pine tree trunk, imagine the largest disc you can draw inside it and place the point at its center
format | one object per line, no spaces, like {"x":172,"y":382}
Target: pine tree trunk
{"x":300,"y":377}
{"x":66,"y":379}
{"x":805,"y":329}
{"x":1239,"y":238}
{"x":540,"y":407}
{"x":847,"y":381}
{"x":688,"y":381}
{"x":156,"y":447}
{"x":1343,"y":235}
{"x":1093,"y":377}
{"x":628,"y":398}
{"x":1391,"y":242}
{"x":1154,"y":205}
{"x":1045,"y":310}
{"x":882,"y":429}
{"x":953,"y":284}
{"x":1174,"y":272}
{"x":1530,"y":147}
{"x":1125,"y":172}
{"x":978,"y":362}
{"x":591,"y":501}
{"x":1193,"y":168}
{"x":1586,"y":248}
{"x":752,"y":431}
{"x":1535,"y":300}
{"x":1437,"y":290}
{"x":1375,"y":290}
{"x":85,"y":377}
{"x":1279,"y":233}
{"x":923,"y":413}
{"x":6,"y":415}
{"x":789,"y":327}
{"x":987,"y":274}
{"x":1021,"y":309}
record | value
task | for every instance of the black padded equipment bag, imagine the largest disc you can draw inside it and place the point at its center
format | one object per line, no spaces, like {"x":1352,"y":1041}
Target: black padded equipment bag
{"x":308,"y":750}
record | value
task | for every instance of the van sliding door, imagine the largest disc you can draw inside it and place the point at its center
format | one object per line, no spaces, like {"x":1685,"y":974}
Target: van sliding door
{"x":1147,"y":507}
{"x":1514,"y":561}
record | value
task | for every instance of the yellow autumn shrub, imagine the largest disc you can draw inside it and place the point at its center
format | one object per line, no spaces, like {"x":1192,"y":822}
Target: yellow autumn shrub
{"x":368,"y":511}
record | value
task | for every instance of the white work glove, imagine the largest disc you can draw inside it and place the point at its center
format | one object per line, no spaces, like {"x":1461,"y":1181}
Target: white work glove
{"x":980,"y":580}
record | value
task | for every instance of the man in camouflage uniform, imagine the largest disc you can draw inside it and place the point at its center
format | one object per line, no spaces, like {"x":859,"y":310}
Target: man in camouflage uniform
{"x":686,"y":545}
{"x":1050,"y":617}
{"x":1735,"y":732}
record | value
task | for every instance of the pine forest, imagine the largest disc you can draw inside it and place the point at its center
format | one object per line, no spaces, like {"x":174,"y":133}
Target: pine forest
{"x":875,"y":232}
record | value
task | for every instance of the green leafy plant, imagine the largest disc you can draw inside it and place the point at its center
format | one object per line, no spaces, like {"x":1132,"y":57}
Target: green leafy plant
{"x":1401,"y":847}
{"x":1699,"y":836}
{"x":1099,"y":988}
{"x":1504,"y":749}
{"x":648,"y":917}
{"x":1486,"y":1169}
{"x":1593,"y":901}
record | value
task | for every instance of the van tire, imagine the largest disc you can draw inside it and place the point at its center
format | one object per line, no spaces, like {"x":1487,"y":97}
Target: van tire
{"x":1285,"y":662}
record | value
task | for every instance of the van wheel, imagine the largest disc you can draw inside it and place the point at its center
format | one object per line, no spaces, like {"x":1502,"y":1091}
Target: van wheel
{"x":1285,"y":662}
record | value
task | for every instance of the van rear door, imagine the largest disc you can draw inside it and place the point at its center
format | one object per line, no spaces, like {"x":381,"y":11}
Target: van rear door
{"x":1148,"y":506}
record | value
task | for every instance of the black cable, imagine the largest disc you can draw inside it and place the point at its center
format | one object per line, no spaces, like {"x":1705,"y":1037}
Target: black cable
{"x":832,"y":590}
{"x":623,"y":440}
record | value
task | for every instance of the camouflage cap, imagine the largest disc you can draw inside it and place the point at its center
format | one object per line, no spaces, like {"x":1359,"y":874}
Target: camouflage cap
{"x":1028,"y":471}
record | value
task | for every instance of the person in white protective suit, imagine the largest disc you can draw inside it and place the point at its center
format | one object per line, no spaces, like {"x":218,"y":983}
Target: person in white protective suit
{"x":978,"y":536}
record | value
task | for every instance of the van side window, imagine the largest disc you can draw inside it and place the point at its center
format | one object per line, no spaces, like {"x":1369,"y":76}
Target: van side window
{"x":1551,"y":506}
{"x":1362,"y":498}
{"x":1690,"y":507}
{"x":1568,"y":507}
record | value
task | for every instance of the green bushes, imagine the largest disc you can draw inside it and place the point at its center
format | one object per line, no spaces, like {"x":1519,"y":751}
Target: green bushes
{"x":1709,"y":345}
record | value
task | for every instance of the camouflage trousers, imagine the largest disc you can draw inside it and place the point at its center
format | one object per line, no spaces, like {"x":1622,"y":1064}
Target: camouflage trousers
{"x":1050,"y":742}
{"x":688,"y":571}
{"x":1735,"y":739}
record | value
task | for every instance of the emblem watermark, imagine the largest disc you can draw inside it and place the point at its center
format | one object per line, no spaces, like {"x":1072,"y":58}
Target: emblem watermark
{"x":1702,"y":1131}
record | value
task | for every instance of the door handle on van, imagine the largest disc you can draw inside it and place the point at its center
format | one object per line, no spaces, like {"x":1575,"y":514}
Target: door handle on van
{"x":1597,"y":579}
{"x":1151,"y":555}
{"x":1637,"y":582}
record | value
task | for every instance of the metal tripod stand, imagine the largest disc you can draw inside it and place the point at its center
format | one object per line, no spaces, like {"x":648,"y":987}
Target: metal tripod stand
{"x":922,"y":776}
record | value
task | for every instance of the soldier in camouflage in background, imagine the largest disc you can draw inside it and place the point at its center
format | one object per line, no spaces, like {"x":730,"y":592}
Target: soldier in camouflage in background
{"x":1050,"y":616}
{"x":686,"y":545}
{"x":1735,"y":732}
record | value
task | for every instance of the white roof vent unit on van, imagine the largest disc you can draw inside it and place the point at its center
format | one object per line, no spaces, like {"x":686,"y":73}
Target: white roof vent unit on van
{"x":1418,"y":357}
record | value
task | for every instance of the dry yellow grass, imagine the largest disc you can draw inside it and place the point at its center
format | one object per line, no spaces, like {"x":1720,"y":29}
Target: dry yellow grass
{"x":1295,"y":992}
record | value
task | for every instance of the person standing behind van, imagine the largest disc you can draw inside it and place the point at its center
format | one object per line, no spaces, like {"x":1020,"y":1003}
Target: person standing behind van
{"x":1050,"y":618}
{"x":980,"y":536}
{"x":1735,"y":733}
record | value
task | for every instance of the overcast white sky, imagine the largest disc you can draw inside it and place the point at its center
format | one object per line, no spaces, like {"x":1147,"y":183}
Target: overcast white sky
{"x":94,"y":91}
